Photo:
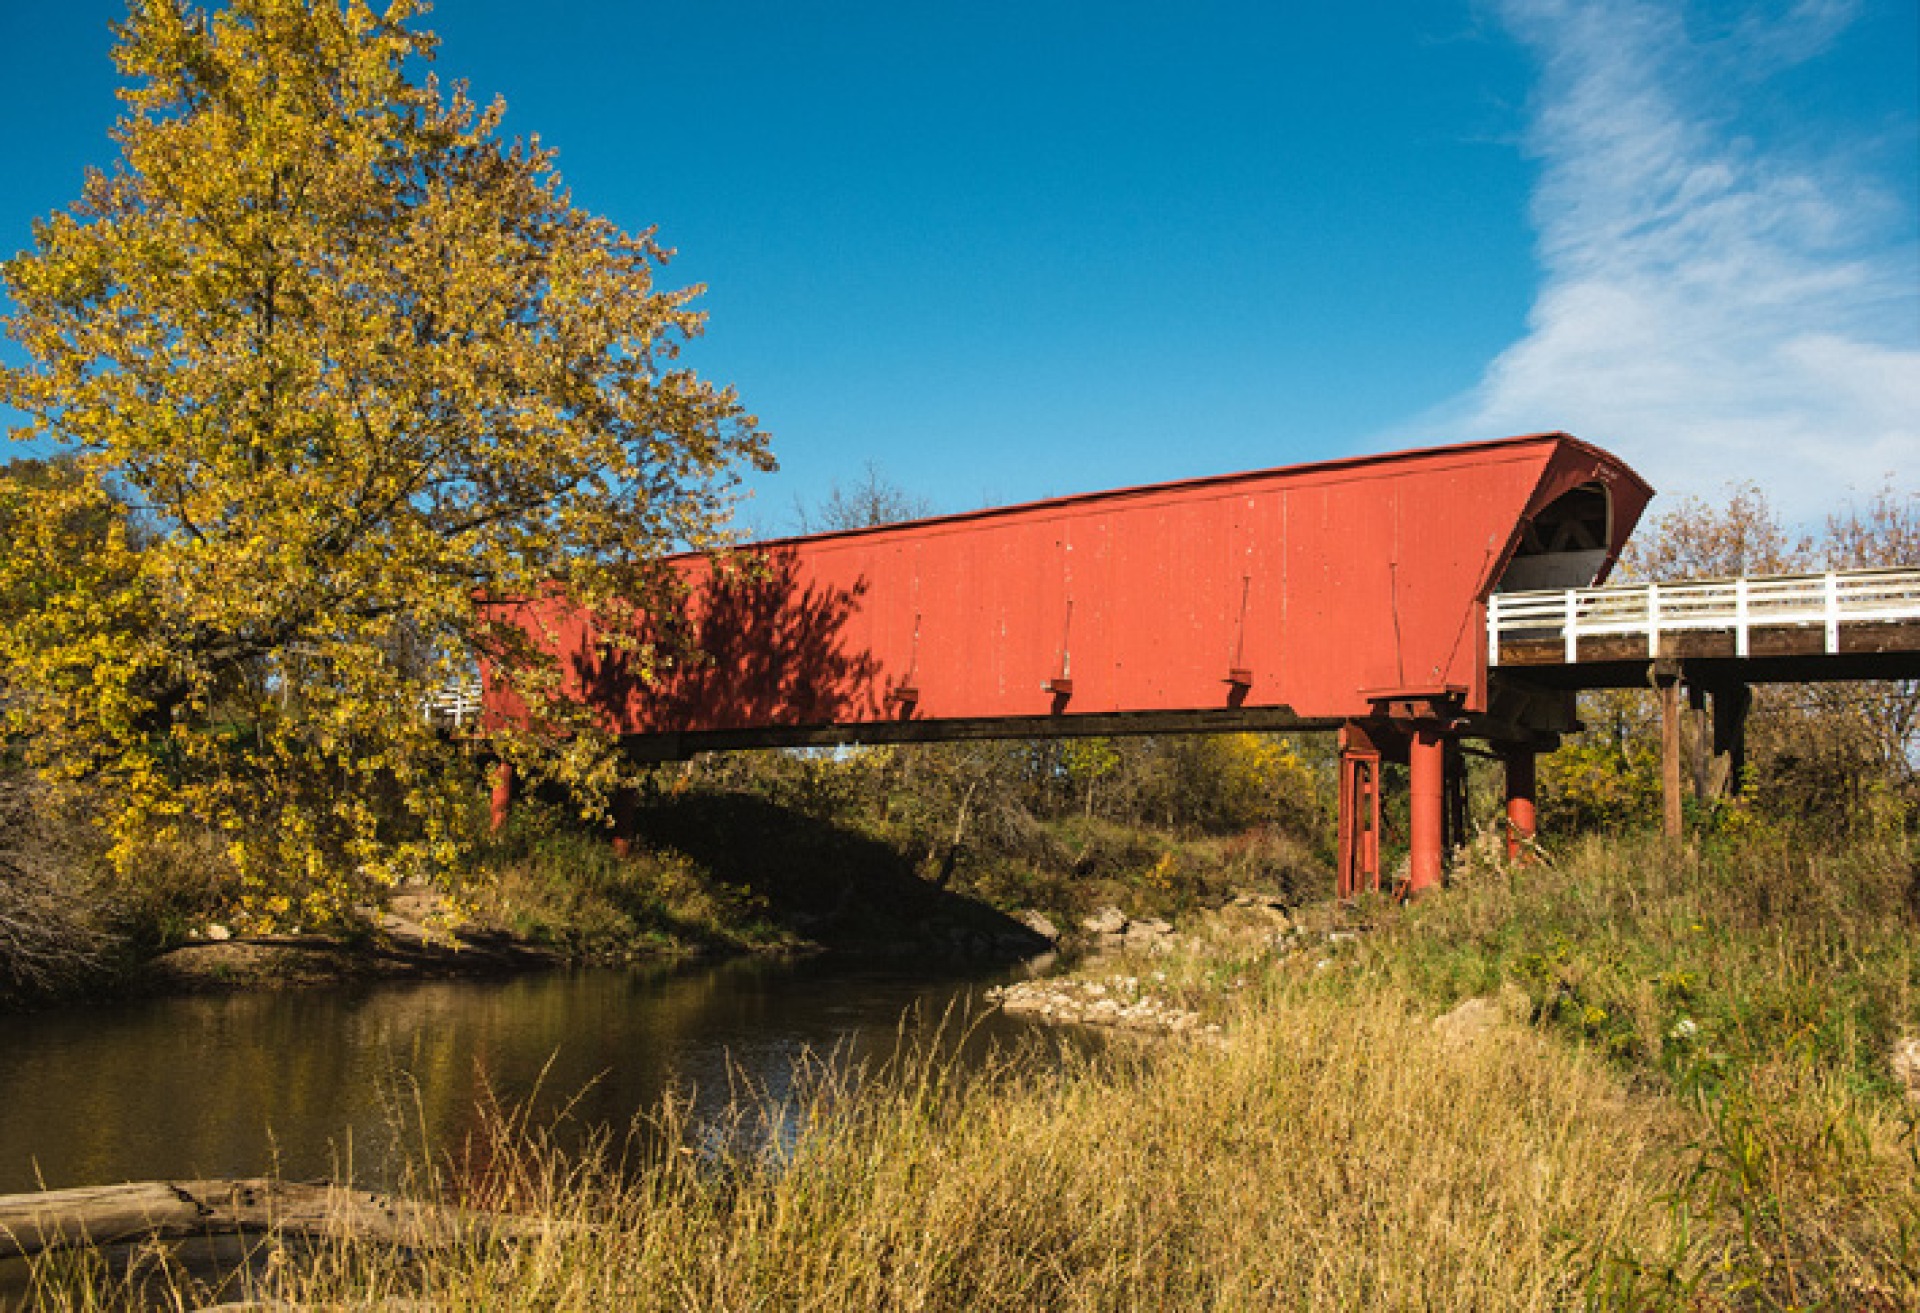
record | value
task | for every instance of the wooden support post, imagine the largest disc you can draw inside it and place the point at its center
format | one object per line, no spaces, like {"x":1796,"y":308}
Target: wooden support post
{"x":1427,"y":768}
{"x":1671,"y":816}
{"x":1359,"y":857}
{"x":1522,"y":818}
{"x":1731,"y":702}
{"x":1700,"y":730}
{"x":502,"y":794}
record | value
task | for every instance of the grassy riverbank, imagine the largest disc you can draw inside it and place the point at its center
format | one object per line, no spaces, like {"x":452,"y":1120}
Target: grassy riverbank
{"x":1580,"y":1146}
{"x":797,"y":854}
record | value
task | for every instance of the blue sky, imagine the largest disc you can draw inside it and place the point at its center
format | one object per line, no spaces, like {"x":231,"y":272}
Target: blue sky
{"x":1015,"y":250}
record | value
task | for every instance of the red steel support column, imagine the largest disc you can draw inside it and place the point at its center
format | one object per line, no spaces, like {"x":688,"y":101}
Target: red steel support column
{"x":1522,"y":822}
{"x":1427,"y":770}
{"x":622,"y":808}
{"x":502,"y":793}
{"x":1370,"y":838}
{"x":1359,"y":859}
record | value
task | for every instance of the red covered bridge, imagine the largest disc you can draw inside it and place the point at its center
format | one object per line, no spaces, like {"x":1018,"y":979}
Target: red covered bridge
{"x":1347,"y":594}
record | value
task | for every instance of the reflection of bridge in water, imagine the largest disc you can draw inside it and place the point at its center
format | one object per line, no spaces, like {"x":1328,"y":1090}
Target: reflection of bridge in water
{"x":1397,"y":599}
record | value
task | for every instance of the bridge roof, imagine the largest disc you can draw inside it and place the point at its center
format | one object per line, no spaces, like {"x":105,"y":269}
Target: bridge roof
{"x":1380,"y":465}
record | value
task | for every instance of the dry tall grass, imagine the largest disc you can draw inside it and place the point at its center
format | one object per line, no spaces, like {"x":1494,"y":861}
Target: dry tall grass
{"x":1323,"y":1157}
{"x":1335,"y":1150}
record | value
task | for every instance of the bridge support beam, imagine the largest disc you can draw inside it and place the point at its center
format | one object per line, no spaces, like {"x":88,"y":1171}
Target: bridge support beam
{"x":501,"y":803}
{"x":1698,"y":729}
{"x":1731,"y":702}
{"x":1427,"y":771}
{"x":1522,"y":818}
{"x":1666,"y":680}
{"x":1359,"y":859}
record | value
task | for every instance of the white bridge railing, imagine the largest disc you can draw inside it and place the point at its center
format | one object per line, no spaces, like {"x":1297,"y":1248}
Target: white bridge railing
{"x":453,"y":705}
{"x":1831,"y":601}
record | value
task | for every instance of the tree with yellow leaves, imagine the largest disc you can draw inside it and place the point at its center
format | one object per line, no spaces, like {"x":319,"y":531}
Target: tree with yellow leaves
{"x":333,"y":360}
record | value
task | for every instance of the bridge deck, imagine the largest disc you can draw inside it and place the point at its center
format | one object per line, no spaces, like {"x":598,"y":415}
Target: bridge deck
{"x":1843,"y":624}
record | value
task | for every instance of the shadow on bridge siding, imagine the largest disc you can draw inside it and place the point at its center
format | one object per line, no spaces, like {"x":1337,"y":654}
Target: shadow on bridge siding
{"x":831,"y":885}
{"x":754,"y":646}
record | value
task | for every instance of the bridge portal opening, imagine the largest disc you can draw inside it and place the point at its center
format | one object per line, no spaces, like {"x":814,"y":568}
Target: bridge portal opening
{"x":1565,"y":545}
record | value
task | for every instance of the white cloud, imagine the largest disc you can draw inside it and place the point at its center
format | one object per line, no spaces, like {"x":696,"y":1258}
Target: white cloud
{"x":1710,"y":309}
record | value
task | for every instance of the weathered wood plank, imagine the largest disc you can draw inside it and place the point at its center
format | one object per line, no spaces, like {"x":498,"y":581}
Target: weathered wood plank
{"x":114,"y":1214}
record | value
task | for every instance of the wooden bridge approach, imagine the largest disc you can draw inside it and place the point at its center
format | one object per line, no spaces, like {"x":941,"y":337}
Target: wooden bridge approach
{"x":1711,"y":639}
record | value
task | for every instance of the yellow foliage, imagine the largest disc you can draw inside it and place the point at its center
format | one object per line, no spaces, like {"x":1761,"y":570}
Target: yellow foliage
{"x":331,"y":360}
{"x":1591,"y":781}
{"x":1089,"y":759}
{"x":1261,"y":778}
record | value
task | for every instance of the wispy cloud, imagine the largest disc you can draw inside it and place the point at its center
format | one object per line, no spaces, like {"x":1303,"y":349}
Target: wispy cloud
{"x":1711,"y":308}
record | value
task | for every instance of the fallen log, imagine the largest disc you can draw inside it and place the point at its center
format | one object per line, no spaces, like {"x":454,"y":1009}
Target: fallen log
{"x":140,"y":1210}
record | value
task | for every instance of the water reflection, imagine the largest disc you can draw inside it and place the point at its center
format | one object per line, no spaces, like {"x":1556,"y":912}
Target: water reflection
{"x":352,"y":1082}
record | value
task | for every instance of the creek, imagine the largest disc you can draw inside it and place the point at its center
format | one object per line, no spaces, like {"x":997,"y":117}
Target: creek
{"x":354,"y":1083}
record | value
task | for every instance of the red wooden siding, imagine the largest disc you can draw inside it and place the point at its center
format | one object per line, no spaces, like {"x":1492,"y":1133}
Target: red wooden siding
{"x":1331,"y":585}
